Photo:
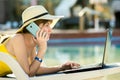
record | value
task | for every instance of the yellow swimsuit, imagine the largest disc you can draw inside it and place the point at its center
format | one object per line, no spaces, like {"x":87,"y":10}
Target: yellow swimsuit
{"x":4,"y":69}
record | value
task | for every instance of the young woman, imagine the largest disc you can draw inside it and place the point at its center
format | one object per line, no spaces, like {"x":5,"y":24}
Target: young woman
{"x":22,"y":46}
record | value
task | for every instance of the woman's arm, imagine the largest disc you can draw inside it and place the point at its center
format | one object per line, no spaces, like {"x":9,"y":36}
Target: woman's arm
{"x":65,"y":66}
{"x":21,"y":54}
{"x":47,"y":70}
{"x":43,"y":69}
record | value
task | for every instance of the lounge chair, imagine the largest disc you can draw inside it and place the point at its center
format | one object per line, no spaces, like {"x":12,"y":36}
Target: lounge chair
{"x":14,"y":66}
{"x":21,"y":75}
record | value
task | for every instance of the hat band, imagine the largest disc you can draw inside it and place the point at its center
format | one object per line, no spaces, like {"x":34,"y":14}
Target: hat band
{"x":37,"y":16}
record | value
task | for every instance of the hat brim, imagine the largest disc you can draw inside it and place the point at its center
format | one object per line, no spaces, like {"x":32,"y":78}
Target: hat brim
{"x":54,"y":19}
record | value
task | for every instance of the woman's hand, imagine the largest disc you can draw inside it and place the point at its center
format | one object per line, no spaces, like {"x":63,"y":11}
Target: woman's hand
{"x":41,"y":36}
{"x":41,"y":39}
{"x":69,"y":65}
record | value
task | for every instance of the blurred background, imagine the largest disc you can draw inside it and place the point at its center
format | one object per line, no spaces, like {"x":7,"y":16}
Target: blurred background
{"x":103,"y":12}
{"x":79,"y":36}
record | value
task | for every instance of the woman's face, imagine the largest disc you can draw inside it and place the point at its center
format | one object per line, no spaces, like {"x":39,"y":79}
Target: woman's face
{"x":45,"y":26}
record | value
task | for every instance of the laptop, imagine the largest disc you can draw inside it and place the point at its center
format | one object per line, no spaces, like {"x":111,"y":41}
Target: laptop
{"x":101,"y":65}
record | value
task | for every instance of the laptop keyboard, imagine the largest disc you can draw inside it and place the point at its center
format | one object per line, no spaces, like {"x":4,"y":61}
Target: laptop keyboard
{"x":83,"y":68}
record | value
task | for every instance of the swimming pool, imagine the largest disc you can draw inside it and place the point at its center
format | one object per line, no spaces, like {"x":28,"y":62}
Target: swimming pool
{"x":81,"y":50}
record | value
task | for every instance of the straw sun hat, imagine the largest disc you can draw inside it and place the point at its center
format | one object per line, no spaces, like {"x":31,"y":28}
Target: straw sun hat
{"x":37,"y":12}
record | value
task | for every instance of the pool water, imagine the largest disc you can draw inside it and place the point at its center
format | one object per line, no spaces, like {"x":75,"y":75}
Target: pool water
{"x":82,"y":54}
{"x":87,"y":54}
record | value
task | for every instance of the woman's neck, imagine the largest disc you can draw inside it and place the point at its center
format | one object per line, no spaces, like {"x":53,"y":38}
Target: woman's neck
{"x":29,"y":40}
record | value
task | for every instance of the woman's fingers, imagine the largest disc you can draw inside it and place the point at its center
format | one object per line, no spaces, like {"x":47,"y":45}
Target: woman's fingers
{"x":44,"y":34}
{"x":41,"y":34}
{"x":75,"y":65}
{"x":38,"y":33}
{"x":70,"y":65}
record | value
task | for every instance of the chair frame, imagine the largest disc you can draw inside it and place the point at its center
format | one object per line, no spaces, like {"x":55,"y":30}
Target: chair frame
{"x":14,"y":66}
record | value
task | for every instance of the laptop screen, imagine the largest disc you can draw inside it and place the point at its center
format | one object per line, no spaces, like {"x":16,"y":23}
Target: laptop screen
{"x":99,"y":53}
{"x":107,"y":46}
{"x":102,"y":58}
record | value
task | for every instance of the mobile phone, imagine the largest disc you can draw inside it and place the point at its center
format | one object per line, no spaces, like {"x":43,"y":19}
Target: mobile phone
{"x":33,"y":28}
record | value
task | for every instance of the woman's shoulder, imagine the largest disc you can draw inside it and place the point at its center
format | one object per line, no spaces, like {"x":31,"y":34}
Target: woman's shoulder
{"x":10,"y":38}
{"x":17,"y":38}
